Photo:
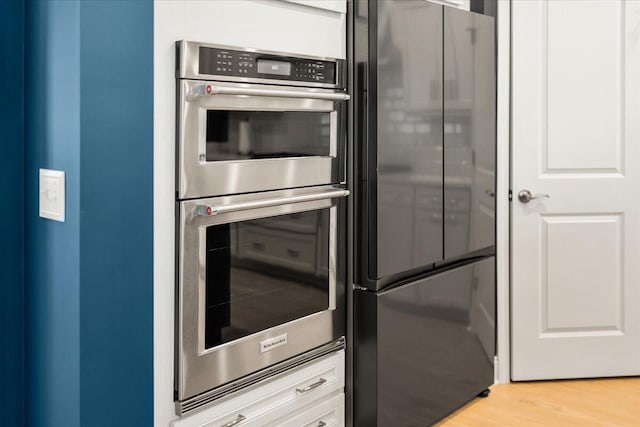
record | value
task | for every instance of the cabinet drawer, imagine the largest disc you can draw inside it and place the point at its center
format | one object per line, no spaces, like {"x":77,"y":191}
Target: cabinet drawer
{"x":329,"y":412}
{"x":275,"y":397}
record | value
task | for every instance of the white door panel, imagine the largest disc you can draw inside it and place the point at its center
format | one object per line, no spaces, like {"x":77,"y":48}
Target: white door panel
{"x":576,"y":137}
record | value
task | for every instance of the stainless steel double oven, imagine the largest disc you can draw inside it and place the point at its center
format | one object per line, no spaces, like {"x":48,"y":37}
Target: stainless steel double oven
{"x":260,"y":215}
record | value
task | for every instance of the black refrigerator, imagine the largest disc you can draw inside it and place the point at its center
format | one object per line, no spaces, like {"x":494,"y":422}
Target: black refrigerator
{"x":424,"y":127}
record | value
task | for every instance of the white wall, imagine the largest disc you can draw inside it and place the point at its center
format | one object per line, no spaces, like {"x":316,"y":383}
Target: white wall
{"x":312,"y":27}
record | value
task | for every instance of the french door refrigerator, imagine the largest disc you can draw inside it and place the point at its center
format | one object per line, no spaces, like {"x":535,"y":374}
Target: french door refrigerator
{"x":424,"y":298}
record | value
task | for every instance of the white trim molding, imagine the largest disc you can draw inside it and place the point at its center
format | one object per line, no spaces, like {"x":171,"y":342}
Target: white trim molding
{"x":503,"y":214}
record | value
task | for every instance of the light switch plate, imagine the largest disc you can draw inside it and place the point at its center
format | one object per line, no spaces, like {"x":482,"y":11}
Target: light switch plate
{"x":52,"y":194}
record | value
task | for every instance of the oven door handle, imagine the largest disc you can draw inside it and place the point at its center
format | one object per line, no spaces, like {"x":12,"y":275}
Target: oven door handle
{"x":206,"y":210}
{"x":212,"y":89}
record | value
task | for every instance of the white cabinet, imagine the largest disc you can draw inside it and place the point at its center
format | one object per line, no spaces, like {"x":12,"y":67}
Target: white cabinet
{"x":311,"y":394}
{"x":306,"y":27}
{"x":329,"y":412}
{"x":324,"y":412}
{"x":301,"y":27}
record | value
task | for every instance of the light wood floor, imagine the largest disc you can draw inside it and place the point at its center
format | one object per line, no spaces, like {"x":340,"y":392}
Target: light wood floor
{"x":601,"y":402}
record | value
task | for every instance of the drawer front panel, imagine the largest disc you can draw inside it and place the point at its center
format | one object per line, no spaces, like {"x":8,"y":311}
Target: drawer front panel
{"x":275,"y":397}
{"x":326,"y":413}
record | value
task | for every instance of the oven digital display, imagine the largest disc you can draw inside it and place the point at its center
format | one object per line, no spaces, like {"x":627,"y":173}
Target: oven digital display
{"x":280,"y":68}
{"x":252,"y":65}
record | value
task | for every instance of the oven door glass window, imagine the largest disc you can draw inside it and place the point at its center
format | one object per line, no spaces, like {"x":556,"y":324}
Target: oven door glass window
{"x":265,"y":272}
{"x":244,"y":135}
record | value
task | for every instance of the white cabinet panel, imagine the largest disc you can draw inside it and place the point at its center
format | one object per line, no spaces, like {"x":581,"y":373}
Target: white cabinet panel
{"x":326,"y":413}
{"x":300,"y":389}
{"x":272,"y":25}
{"x":319,"y":30}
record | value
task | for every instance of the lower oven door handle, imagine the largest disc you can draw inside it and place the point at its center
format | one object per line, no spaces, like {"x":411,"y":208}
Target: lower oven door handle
{"x":205,"y":210}
{"x":212,"y":89}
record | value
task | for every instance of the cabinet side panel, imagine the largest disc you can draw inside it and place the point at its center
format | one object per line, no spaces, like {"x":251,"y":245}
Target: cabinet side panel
{"x":365,"y":392}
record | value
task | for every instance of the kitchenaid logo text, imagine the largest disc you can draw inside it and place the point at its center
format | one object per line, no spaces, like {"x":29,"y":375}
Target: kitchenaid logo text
{"x":272,"y":343}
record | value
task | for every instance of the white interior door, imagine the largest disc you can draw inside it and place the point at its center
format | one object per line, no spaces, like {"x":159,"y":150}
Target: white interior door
{"x":576,"y":137}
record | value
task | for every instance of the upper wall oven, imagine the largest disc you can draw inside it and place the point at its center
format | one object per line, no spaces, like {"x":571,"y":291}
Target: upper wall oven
{"x":255,"y":121}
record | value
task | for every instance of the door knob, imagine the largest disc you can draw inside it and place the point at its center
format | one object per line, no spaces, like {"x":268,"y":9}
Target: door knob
{"x":525,"y":196}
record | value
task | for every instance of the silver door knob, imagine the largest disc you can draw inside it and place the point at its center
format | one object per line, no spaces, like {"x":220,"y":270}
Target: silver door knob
{"x":525,"y":196}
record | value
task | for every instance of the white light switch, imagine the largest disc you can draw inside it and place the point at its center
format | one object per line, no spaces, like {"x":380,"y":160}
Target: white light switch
{"x":52,"y":194}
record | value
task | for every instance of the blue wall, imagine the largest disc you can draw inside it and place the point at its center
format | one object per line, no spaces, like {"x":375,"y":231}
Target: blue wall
{"x":116,"y":230}
{"x":53,"y":248}
{"x":12,"y":212}
{"x":89,"y":280}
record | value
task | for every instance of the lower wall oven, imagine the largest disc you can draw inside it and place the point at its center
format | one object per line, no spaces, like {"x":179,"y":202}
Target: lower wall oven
{"x":260,"y":281}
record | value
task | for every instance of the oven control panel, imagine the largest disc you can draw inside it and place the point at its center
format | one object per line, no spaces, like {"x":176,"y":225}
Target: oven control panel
{"x":228,"y":62}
